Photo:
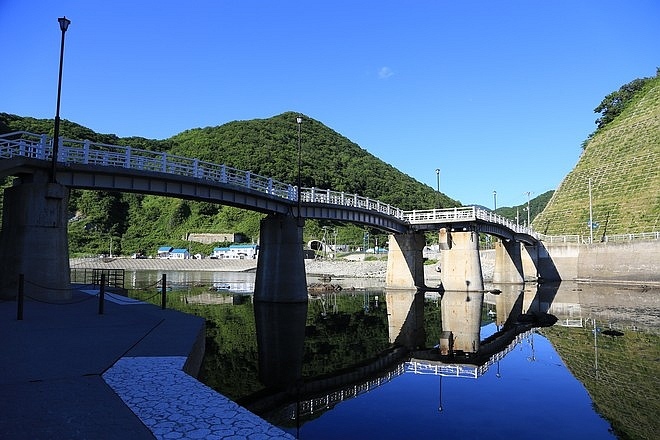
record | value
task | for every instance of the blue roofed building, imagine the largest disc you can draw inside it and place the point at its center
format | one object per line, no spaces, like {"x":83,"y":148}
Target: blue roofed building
{"x":236,"y":251}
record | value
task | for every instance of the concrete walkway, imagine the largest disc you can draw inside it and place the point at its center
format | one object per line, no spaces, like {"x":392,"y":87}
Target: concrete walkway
{"x":70,"y":373}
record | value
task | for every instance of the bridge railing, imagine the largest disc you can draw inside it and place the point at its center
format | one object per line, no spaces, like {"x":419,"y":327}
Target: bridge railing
{"x":316,"y":195}
{"x":463,"y":214}
{"x":94,"y":153}
{"x":490,"y":216}
{"x":24,"y":144}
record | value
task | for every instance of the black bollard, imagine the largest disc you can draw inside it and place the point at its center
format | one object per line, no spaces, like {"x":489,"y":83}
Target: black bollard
{"x":21,"y":296}
{"x":163,"y":293}
{"x":102,"y":294}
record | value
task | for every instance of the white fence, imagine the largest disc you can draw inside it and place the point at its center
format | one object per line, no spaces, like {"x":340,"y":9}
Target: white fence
{"x":92,"y":153}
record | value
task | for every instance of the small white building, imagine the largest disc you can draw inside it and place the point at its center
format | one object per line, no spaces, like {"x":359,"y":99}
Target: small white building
{"x":236,"y":251}
{"x":164,"y":252}
{"x":170,"y":253}
{"x":180,"y":254}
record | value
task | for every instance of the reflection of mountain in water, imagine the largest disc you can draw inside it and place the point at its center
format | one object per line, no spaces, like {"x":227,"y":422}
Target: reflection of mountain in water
{"x":344,"y":332}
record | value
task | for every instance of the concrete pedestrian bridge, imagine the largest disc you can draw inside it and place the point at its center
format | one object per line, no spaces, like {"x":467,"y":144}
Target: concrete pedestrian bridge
{"x":34,"y":229}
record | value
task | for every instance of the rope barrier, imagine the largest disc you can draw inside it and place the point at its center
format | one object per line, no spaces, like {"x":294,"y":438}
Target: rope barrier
{"x":61,"y":303}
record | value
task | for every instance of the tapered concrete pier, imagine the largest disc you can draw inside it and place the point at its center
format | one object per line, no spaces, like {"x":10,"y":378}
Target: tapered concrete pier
{"x":405,"y":264}
{"x":461,"y":263}
{"x":33,"y":240}
{"x":508,"y":263}
{"x":281,"y":267}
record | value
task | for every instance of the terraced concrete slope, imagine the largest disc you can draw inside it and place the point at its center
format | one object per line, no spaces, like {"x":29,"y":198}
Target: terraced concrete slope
{"x":622,"y":160}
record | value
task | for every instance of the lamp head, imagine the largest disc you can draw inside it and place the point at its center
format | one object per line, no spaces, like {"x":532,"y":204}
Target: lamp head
{"x":299,"y":119}
{"x":64,"y":23}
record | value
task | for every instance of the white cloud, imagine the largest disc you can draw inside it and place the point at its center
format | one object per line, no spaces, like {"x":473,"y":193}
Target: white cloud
{"x":385,"y":72}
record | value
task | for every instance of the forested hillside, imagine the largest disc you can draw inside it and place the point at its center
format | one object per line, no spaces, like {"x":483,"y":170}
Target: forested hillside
{"x":536,"y":206}
{"x":134,"y":223}
{"x":620,"y":159}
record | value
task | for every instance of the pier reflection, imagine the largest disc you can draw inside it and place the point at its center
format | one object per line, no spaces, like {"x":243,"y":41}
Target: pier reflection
{"x":460,"y":351}
{"x":280,"y":342}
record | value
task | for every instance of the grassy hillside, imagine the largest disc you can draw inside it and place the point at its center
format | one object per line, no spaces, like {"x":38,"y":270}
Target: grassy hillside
{"x":622,"y":160}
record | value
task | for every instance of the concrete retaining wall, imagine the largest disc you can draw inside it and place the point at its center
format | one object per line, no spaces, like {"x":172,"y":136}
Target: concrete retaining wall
{"x":637,"y":262}
{"x":632,"y":261}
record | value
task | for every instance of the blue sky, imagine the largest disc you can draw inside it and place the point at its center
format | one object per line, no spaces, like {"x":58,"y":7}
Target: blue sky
{"x":498,"y":95}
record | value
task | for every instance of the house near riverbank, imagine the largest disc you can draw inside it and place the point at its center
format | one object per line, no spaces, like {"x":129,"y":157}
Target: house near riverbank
{"x":236,"y":251}
{"x":170,"y":253}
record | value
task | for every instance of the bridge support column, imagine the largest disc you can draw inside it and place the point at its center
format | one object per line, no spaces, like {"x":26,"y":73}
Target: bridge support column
{"x":405,"y":264}
{"x":508,"y":263}
{"x":461,"y":263}
{"x":34,"y":241}
{"x":281,"y":267}
{"x":529,"y":254}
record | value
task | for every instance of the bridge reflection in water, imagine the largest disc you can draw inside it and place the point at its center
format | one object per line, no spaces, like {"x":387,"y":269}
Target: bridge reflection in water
{"x":459,"y":353}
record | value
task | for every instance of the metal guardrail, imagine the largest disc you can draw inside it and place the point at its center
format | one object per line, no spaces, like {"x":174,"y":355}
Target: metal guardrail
{"x":584,"y":239}
{"x":93,"y":153}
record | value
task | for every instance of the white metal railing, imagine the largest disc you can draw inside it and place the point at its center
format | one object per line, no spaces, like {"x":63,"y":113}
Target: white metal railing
{"x":616,"y":238}
{"x":462,"y":214}
{"x":93,"y":153}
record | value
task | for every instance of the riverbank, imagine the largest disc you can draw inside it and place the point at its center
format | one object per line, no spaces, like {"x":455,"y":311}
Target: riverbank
{"x":339,"y":268}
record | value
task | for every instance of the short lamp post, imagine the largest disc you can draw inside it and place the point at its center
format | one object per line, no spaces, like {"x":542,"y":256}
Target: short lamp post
{"x":299,"y":122}
{"x":64,"y":25}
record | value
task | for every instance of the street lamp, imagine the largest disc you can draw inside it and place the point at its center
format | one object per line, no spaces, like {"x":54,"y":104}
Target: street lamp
{"x":64,"y":25}
{"x":437,"y":176}
{"x":495,"y":200}
{"x":528,"y":210}
{"x":591,"y":216}
{"x":299,"y":122}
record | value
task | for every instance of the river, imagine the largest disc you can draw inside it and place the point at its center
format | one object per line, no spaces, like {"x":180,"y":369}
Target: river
{"x":364,"y":362}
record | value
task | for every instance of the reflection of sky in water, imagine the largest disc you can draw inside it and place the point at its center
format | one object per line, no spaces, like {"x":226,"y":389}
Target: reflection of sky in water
{"x":536,"y":397}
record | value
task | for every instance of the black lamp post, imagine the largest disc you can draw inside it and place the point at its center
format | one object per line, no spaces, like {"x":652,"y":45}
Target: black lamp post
{"x":495,"y":200}
{"x":299,"y":122}
{"x":64,"y":25}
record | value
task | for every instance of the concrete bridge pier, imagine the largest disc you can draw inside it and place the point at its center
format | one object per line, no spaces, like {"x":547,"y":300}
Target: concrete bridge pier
{"x":280,"y":273}
{"x":33,"y":240}
{"x":405,"y":264}
{"x":461,"y":263}
{"x":508,"y":263}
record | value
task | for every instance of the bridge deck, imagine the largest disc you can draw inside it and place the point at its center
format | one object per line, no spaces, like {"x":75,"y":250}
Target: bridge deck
{"x":82,"y":165}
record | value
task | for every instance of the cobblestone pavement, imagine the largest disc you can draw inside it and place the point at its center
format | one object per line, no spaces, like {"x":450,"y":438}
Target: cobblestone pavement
{"x":174,"y":405}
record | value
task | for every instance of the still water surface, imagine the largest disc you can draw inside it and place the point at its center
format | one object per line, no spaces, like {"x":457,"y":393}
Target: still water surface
{"x":327,"y":370}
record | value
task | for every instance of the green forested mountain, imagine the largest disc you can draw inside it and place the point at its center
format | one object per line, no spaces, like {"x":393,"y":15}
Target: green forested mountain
{"x":536,"y":205}
{"x":133,"y":222}
{"x":620,"y":164}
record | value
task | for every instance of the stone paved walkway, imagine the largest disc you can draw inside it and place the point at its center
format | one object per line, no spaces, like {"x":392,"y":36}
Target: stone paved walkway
{"x":70,"y":373}
{"x":174,"y":405}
